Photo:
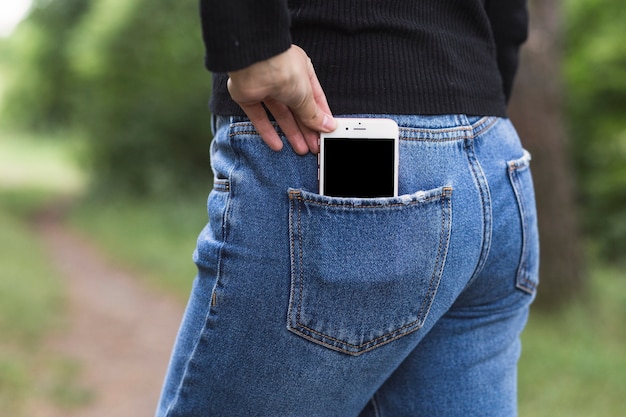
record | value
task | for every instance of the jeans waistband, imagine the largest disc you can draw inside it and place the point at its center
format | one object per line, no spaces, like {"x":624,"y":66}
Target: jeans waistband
{"x":427,"y":124}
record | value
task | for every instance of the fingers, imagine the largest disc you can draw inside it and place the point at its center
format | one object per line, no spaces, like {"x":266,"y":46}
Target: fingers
{"x":309,"y":105}
{"x":306,"y":112}
{"x":258,"y":117}
{"x":292,"y":130}
{"x":311,"y":138}
{"x":289,"y":88}
{"x":319,"y":97}
{"x":290,"y":126}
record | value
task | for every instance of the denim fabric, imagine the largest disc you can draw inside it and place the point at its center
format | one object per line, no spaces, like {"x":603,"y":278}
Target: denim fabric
{"x":308,"y":305}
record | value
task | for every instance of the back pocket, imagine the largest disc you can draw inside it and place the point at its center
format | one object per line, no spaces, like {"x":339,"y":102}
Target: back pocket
{"x":521,"y":180}
{"x":365,"y":272}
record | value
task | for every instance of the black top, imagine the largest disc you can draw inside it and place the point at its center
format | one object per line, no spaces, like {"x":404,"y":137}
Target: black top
{"x":376,"y":56}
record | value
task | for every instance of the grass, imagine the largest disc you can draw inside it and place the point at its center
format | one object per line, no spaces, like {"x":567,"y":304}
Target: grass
{"x":31,"y":301}
{"x":156,"y":239}
{"x":573,"y":363}
{"x":26,"y":279}
{"x":32,"y":174}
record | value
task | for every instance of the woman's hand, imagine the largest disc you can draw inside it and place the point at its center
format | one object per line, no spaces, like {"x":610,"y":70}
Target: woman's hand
{"x":290,"y":90}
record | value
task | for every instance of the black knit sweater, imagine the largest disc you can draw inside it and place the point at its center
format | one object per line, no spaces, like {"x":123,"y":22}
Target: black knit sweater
{"x":376,"y":56}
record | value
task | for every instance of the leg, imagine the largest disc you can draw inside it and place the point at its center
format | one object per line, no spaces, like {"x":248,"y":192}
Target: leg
{"x":465,"y":366}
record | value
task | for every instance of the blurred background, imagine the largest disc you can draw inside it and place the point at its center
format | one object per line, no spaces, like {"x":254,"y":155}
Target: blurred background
{"x":104,"y":135}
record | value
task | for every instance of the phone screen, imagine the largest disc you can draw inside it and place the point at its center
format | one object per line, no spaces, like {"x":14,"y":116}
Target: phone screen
{"x":361,"y":168}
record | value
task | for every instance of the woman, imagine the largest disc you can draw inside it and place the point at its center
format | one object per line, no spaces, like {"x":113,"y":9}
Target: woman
{"x":308,"y":305}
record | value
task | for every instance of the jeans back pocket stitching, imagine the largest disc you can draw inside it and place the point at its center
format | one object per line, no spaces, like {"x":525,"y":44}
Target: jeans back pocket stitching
{"x":301,"y":329}
{"x":446,"y":224}
{"x":516,"y":167}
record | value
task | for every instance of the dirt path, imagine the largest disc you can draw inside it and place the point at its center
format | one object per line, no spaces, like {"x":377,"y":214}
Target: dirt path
{"x":120,"y":332}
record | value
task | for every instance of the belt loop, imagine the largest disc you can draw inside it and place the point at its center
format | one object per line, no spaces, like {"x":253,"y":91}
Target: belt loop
{"x":213,"y":124}
{"x":462,"y":120}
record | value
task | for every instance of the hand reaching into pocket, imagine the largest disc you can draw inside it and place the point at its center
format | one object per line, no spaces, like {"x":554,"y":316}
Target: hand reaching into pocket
{"x":287,"y":85}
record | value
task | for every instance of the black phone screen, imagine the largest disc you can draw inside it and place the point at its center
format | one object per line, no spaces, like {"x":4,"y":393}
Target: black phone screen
{"x":361,"y":168}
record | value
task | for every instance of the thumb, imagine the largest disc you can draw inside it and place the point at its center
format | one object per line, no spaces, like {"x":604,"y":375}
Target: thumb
{"x":313,"y":110}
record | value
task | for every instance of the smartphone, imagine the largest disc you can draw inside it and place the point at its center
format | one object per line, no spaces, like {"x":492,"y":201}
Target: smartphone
{"x":359,"y":159}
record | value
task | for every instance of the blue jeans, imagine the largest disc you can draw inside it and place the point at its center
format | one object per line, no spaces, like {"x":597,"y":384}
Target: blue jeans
{"x":307,"y":305}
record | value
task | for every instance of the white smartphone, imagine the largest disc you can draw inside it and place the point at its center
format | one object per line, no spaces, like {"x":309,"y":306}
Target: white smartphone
{"x":359,"y":159}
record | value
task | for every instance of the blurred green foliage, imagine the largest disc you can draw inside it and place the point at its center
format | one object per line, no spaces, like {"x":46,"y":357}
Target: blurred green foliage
{"x":126,"y":76}
{"x":595,"y":76}
{"x":40,"y":80}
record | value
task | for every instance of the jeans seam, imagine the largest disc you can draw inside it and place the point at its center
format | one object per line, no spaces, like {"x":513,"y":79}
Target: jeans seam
{"x":445,"y":191}
{"x":224,"y":185}
{"x":375,"y":406}
{"x":483,"y":125}
{"x":300,"y":269}
{"x":485,"y":200}
{"x":224,"y":225}
{"x":441,"y":255}
{"x":455,"y":133}
{"x":522,"y":281}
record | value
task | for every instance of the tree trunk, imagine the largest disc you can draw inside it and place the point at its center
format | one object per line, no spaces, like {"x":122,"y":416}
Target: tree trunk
{"x":537,"y":112}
